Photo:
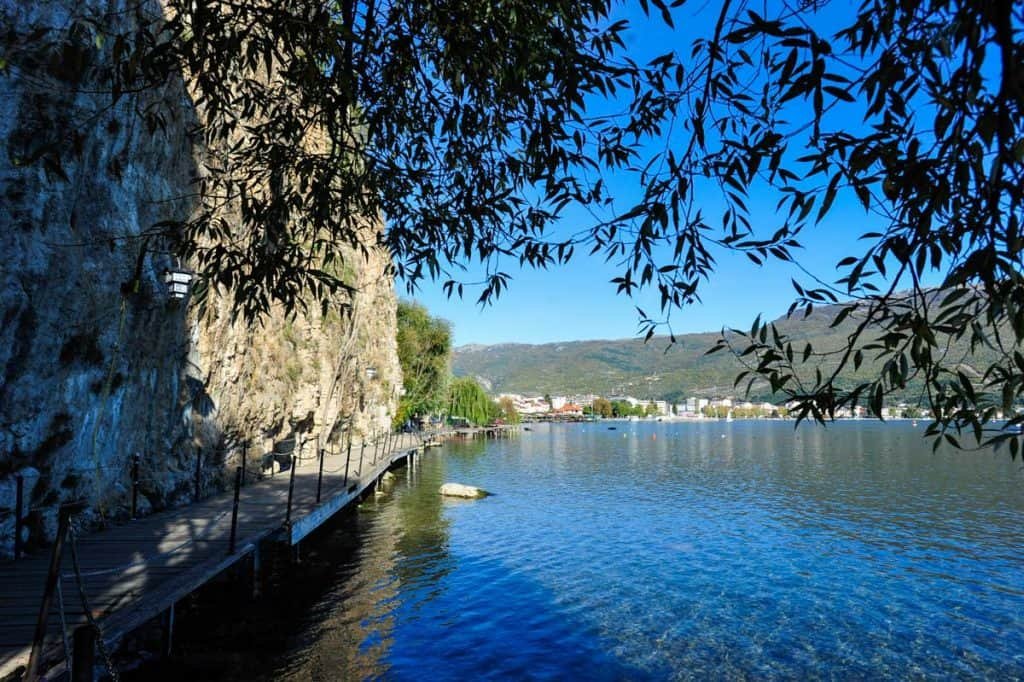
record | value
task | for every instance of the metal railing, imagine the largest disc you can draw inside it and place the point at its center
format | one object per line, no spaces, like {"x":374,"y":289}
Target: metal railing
{"x":386,"y":446}
{"x":380,"y":445}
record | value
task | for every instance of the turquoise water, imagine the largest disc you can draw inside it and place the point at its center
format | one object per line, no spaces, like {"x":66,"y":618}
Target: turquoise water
{"x":659,"y":551}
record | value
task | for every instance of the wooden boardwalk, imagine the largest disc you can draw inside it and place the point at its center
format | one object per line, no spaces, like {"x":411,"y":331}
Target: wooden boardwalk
{"x":490,"y":432}
{"x":135,"y":572}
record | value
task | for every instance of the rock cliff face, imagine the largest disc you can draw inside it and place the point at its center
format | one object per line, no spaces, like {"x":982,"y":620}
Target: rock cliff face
{"x":96,"y":363}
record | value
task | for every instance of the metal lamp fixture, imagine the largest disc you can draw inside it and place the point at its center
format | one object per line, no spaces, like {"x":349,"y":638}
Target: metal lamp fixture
{"x":177,"y":280}
{"x":371,"y":373}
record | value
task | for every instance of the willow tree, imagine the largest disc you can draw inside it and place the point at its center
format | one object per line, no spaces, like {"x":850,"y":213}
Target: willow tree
{"x":508,"y":412}
{"x":424,"y":351}
{"x":472,"y":126}
{"x":468,"y":400}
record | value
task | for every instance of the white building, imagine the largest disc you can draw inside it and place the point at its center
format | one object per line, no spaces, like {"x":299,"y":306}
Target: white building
{"x":526,"y":405}
{"x":662,"y":407}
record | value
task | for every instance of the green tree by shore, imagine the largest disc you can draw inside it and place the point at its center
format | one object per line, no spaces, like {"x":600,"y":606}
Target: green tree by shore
{"x":509,"y":413}
{"x":467,"y":399}
{"x":425,"y":352}
{"x":601,"y":407}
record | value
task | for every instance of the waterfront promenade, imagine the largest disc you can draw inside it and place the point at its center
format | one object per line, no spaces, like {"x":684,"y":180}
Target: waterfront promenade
{"x":132,"y":573}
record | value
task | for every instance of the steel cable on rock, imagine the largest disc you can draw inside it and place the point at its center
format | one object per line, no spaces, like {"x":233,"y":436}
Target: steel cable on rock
{"x":334,"y":471}
{"x":255,"y":476}
{"x":49,"y":507}
{"x":76,"y":472}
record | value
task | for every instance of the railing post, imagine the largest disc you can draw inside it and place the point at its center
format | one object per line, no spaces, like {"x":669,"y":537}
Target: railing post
{"x":135,"y":485}
{"x":320,"y":476}
{"x":52,"y":576}
{"x":291,"y":492}
{"x":199,"y":470}
{"x":167,"y":645}
{"x":234,"y":511}
{"x":245,"y":456}
{"x":19,"y":513}
{"x":83,"y":656}
{"x":362,"y":451}
{"x":257,"y":575}
{"x":348,"y":458}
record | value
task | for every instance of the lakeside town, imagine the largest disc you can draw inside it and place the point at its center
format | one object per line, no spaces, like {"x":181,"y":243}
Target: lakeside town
{"x":580,"y":407}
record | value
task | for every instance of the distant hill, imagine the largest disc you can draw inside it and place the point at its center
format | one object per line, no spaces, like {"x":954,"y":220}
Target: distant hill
{"x":631,"y":367}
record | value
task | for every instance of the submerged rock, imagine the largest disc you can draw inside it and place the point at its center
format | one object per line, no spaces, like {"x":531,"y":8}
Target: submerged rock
{"x":460,"y":490}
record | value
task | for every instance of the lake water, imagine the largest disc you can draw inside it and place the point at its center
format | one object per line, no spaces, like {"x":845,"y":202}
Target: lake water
{"x":655,"y":551}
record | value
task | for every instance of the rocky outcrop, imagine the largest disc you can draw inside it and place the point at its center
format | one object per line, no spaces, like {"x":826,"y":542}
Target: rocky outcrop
{"x":463,"y":490}
{"x":96,"y":363}
{"x":295,"y":379}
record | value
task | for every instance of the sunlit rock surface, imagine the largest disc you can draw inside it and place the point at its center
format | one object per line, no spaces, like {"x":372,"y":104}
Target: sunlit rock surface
{"x":93,"y":370}
{"x":461,"y":490}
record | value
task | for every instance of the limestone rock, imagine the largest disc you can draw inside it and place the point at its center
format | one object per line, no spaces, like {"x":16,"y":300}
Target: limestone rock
{"x":7,"y":494}
{"x":49,"y":521}
{"x":144,"y":506}
{"x":93,"y":371}
{"x":461,"y":490}
{"x":6,"y":535}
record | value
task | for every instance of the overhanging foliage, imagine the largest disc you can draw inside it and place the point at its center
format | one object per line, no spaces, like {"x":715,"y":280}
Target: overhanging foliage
{"x":471,"y":126}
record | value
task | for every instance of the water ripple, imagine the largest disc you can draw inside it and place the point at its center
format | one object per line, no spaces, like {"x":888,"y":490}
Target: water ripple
{"x":685,"y":551}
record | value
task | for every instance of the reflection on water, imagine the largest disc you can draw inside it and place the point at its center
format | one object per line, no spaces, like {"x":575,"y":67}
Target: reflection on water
{"x":657,"y":551}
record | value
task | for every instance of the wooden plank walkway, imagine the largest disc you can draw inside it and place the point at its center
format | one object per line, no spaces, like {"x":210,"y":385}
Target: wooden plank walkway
{"x":471,"y":432}
{"x":134,"y":572}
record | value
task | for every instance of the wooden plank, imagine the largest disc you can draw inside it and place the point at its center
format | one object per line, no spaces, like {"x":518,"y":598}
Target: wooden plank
{"x":146,"y":565}
{"x":335,"y":502}
{"x":314,"y":519}
{"x":126,"y":620}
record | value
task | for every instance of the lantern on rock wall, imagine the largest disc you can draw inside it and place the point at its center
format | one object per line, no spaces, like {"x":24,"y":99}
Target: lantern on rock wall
{"x":177,"y":280}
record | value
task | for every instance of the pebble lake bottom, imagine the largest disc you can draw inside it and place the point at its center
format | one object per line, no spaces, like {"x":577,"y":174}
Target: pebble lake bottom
{"x":654,"y":551}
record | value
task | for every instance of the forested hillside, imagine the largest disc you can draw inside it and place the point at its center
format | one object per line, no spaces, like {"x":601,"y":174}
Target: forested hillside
{"x":657,"y":369}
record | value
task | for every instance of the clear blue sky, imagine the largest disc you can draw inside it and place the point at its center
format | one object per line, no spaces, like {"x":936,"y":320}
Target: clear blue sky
{"x":577,"y":301}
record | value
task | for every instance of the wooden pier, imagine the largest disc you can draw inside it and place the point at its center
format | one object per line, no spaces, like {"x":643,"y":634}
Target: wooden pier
{"x":488,"y":432}
{"x":130,"y":574}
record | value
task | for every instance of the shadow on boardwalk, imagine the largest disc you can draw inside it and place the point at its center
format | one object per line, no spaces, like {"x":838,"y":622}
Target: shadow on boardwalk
{"x":133,"y":572}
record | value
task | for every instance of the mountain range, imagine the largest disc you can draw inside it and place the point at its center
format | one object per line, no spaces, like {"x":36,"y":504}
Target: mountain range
{"x":656,"y":369}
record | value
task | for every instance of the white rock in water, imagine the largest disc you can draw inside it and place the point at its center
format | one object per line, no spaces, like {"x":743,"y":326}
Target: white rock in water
{"x":460,"y":490}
